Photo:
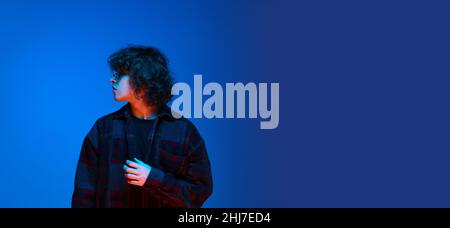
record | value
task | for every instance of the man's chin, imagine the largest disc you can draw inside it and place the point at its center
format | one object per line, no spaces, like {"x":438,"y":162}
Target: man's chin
{"x":118,"y":99}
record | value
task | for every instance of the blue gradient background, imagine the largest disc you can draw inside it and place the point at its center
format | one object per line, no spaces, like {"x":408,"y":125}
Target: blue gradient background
{"x":363,"y":95}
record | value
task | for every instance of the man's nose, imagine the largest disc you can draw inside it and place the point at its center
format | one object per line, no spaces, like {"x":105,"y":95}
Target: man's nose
{"x":113,"y":81}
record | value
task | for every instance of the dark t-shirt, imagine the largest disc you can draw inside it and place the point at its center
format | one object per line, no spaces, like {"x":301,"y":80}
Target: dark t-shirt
{"x":143,"y":130}
{"x":143,"y":133}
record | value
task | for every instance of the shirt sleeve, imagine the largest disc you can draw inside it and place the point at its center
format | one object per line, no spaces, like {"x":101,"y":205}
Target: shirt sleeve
{"x":84,"y":194}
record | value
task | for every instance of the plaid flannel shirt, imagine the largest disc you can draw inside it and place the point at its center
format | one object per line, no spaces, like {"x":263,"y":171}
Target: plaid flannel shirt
{"x":180,"y":174}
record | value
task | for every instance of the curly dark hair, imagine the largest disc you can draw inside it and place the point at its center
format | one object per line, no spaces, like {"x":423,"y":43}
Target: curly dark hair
{"x":148,"y":70}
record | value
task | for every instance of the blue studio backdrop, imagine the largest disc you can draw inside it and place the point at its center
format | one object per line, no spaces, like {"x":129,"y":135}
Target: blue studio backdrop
{"x":364,"y":95}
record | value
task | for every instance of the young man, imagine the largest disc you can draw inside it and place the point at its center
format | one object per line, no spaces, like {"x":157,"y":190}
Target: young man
{"x":140,"y":155}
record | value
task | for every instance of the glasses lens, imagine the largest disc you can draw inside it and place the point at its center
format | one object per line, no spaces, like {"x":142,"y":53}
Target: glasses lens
{"x":116,"y":76}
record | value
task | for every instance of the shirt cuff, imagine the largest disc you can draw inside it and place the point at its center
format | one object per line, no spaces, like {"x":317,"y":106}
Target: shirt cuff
{"x":155,"y":178}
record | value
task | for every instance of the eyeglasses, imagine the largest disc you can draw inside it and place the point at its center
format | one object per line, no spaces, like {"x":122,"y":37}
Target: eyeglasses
{"x":116,"y":76}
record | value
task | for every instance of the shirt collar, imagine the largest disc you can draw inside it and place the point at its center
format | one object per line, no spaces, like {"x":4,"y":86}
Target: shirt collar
{"x":125,"y":112}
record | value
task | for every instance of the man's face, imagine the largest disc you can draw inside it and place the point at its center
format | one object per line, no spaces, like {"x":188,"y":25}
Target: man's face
{"x":121,"y":88}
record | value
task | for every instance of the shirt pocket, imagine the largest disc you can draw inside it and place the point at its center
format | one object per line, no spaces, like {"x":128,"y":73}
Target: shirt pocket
{"x":172,"y":157}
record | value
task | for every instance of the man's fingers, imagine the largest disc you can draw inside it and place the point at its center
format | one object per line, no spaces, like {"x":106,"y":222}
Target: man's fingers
{"x":139,"y":161}
{"x":133,"y":164}
{"x":127,"y":169}
{"x":131,"y":176}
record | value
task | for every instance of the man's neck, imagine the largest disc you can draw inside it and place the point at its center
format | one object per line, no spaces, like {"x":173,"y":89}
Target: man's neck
{"x":142,"y":111}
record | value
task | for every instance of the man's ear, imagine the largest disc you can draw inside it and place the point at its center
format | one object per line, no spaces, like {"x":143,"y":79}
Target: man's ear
{"x":139,"y":94}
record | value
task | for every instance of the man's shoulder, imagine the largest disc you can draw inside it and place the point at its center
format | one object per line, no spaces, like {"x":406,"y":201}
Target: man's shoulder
{"x":105,"y":119}
{"x":182,"y":126}
{"x":181,"y":121}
